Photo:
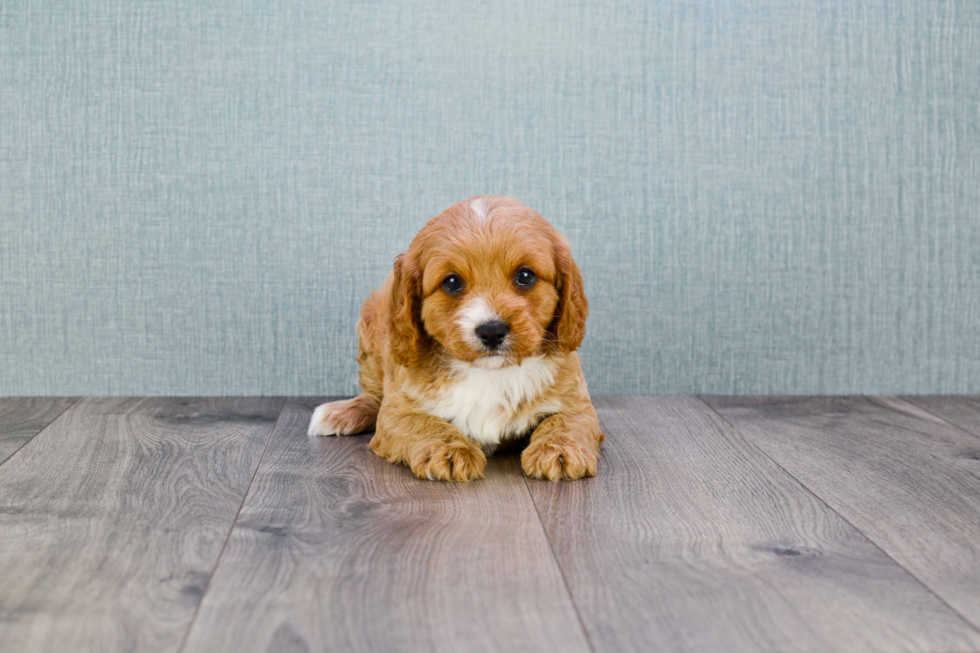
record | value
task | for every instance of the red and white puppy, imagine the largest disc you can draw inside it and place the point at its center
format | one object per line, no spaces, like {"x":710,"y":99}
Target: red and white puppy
{"x":471,"y":343}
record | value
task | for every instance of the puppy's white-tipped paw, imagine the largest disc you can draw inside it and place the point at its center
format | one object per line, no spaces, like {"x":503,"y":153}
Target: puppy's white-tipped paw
{"x":348,"y":417}
{"x":323,"y":422}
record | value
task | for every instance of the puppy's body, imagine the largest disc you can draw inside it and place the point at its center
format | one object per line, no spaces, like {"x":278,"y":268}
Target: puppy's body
{"x":495,"y":404}
{"x":449,"y":373}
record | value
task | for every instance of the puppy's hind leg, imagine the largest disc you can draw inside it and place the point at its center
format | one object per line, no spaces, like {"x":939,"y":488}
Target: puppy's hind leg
{"x":357,"y":415}
{"x":346,"y":417}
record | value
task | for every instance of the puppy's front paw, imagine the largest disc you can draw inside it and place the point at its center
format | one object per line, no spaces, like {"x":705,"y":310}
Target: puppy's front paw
{"x":448,"y":461}
{"x":342,"y":418}
{"x":557,"y":457}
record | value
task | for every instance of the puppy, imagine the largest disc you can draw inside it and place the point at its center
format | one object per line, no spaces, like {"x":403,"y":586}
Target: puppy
{"x":471,"y":343}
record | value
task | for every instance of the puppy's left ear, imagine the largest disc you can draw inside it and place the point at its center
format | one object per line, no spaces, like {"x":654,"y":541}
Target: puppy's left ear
{"x":568,"y":326}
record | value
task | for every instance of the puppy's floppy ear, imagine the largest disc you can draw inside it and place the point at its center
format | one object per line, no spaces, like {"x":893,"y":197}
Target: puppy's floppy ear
{"x":568,"y":326}
{"x":405,"y":312}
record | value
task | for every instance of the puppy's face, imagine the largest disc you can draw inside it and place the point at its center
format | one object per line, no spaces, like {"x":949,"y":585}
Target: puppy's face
{"x":490,"y":293}
{"x":490,"y":282}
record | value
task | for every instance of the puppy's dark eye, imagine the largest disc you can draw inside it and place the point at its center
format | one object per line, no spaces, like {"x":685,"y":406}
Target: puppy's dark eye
{"x":452,"y":284}
{"x":525,"y":278}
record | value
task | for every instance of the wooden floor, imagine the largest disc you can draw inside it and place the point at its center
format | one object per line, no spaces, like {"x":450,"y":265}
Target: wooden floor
{"x":714,"y":524}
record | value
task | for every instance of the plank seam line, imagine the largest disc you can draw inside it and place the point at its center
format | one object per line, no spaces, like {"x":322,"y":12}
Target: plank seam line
{"x":234,"y":522}
{"x":752,"y":444}
{"x":936,"y":415}
{"x":561,"y":572}
{"x":72,"y":401}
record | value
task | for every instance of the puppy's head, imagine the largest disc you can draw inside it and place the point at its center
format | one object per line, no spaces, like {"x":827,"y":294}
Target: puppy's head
{"x":490,"y":282}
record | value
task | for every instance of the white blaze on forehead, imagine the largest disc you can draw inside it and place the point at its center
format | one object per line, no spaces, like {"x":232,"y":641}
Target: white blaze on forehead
{"x":473,"y":313}
{"x":479,"y":209}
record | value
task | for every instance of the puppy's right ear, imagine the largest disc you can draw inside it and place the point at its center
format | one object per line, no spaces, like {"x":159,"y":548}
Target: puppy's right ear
{"x":569,"y":323}
{"x":407,"y":336}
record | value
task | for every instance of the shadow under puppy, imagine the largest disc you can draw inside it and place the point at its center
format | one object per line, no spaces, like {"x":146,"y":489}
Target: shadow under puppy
{"x":472,"y":343}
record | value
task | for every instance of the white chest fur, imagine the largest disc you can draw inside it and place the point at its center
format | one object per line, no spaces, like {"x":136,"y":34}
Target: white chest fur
{"x":490,"y":405}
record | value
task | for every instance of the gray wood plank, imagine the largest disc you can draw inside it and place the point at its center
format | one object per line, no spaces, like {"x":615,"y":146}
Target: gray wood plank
{"x":337,"y":550}
{"x":960,"y":410}
{"x":690,"y":539}
{"x":114,"y":517}
{"x":905,"y":478}
{"x":21,"y":418}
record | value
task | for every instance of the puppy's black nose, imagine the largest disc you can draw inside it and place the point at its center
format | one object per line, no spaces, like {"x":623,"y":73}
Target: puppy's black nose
{"x":491,"y":334}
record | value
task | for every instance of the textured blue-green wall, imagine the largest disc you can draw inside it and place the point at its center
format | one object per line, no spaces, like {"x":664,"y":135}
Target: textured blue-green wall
{"x":764,"y":196}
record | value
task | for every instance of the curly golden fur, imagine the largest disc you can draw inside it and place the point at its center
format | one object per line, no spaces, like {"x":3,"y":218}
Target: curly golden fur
{"x":438,"y":391}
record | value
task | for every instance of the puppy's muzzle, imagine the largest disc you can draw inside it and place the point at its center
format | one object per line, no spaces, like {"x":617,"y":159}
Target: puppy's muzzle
{"x":492,"y":334}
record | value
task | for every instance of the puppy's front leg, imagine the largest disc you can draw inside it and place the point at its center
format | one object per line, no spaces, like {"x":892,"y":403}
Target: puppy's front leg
{"x":564,"y":446}
{"x":433,"y":448}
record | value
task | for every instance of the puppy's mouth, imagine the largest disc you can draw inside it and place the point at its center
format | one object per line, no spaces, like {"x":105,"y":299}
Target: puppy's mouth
{"x":498,"y":353}
{"x":492,"y":361}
